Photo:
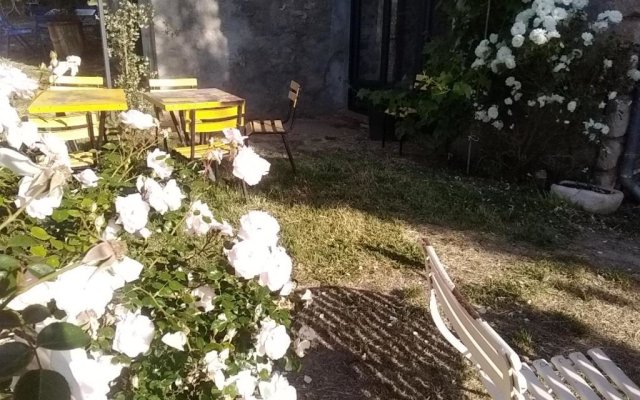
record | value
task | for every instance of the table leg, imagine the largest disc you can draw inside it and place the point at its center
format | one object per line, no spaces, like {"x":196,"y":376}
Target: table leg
{"x":183,"y":125}
{"x":192,"y":116}
{"x":178,"y":124}
{"x":103,"y":127}
{"x":92,"y":137}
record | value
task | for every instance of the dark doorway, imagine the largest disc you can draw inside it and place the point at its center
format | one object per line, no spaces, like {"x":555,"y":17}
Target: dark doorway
{"x":387,"y":38}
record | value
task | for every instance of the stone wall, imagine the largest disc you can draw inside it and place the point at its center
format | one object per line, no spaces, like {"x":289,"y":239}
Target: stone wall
{"x":613,"y":145}
{"x":253,"y":48}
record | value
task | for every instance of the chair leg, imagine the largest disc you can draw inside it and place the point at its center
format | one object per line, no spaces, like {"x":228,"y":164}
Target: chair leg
{"x":286,"y":146}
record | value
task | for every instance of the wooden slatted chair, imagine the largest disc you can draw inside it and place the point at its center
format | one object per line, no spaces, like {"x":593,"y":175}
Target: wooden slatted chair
{"x":208,"y":121}
{"x":587,"y":377}
{"x":277,"y":126}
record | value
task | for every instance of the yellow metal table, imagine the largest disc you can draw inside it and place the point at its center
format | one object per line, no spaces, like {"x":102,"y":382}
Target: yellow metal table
{"x":87,"y":101}
{"x":191,"y":100}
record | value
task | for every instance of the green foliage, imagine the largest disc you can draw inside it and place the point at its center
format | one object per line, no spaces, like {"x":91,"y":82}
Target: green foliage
{"x":123,"y":32}
{"x":452,"y":93}
{"x":42,"y":384}
{"x":174,"y":263}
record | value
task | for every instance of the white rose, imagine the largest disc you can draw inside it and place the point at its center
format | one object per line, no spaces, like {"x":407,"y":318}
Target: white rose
{"x":133,"y":213}
{"x":233,"y":136}
{"x":138,"y":120}
{"x":273,"y":340}
{"x":216,"y":364}
{"x":127,"y":270}
{"x":40,"y":294}
{"x":260,"y":226}
{"x":278,"y":270}
{"x":112,"y":231}
{"x":287,"y":289}
{"x":493,"y":112}
{"x":87,"y":378}
{"x":42,"y":205}
{"x":134,"y":334}
{"x":24,"y":133}
{"x":204,"y":295}
{"x":176,"y":340}
{"x":55,"y":151}
{"x":634,"y":74}
{"x":162,"y":199}
{"x":199,"y":220}
{"x":245,"y":383}
{"x":249,"y":258}
{"x":249,"y":166}
{"x":539,"y":36}
{"x":571,"y":106}
{"x":519,"y":28}
{"x":84,"y":289}
{"x":87,"y":178}
{"x":158,"y":161}
{"x":517,"y":41}
{"x":278,"y":388}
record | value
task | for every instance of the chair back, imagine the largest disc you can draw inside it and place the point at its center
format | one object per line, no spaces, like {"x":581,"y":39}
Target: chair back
{"x":76,"y":82}
{"x":294,"y":96}
{"x":219,"y":118}
{"x":173,"y":84}
{"x":74,"y":130}
{"x":497,"y":363}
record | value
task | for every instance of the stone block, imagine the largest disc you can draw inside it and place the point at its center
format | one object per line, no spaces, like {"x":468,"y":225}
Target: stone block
{"x":618,"y":116}
{"x":610,"y":154}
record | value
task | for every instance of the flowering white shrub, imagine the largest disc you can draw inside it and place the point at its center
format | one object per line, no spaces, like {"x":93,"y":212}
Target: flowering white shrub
{"x":552,"y":73}
{"x":115,"y":281}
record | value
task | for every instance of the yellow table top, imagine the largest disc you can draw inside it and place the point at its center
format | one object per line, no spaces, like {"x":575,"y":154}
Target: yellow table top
{"x":191,"y":99}
{"x":84,"y":100}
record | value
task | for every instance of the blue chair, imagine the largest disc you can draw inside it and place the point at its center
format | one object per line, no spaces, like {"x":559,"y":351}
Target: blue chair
{"x":11,"y":32}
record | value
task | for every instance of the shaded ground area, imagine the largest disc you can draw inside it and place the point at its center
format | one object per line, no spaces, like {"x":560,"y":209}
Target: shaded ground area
{"x":549,"y":278}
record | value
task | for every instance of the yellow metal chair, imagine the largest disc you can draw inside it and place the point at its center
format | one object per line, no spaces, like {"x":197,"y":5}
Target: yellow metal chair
{"x":277,"y":126}
{"x":72,"y":129}
{"x":75,"y":129}
{"x":76,"y":82}
{"x":206,"y":122}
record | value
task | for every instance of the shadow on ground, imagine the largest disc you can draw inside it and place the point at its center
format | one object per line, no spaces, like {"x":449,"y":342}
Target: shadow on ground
{"x":376,"y":346}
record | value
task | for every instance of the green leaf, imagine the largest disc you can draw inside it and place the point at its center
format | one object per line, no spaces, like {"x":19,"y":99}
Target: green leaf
{"x":63,"y":336}
{"x":8,"y":263}
{"x":57,"y":244}
{"x":40,"y":270}
{"x":42,"y":384}
{"x":9,"y":319}
{"x":39,"y":251}
{"x":39,"y":233}
{"x":14,"y":357}
{"x":35,"y":313}
{"x":60,"y":215}
{"x":23,"y":241}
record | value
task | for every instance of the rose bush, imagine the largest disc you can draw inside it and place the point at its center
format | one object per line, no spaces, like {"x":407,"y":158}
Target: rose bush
{"x":121,"y":282}
{"x":529,"y":79}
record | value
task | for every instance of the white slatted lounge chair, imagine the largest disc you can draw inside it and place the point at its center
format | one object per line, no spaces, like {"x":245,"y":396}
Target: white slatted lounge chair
{"x":586,"y":377}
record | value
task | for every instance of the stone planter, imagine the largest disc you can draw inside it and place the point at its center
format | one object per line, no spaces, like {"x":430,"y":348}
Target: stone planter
{"x":590,"y":198}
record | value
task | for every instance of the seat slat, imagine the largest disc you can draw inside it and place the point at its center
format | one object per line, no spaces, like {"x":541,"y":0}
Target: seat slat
{"x":173,"y":83}
{"x":279,"y":126}
{"x":579,"y":385}
{"x":551,"y":378}
{"x":595,"y":377}
{"x":200,"y":150}
{"x":615,"y":373}
{"x":535,"y":387}
{"x":82,"y":159}
{"x":480,"y":355}
{"x":76,"y":82}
